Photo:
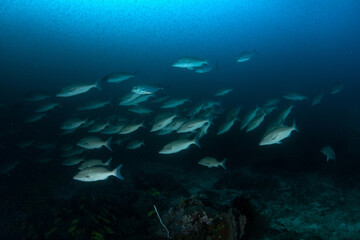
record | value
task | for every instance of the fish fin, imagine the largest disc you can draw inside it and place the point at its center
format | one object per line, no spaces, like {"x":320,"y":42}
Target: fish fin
{"x":117,"y":173}
{"x":223,"y":163}
{"x":108,"y":162}
{"x":107,"y":144}
{"x":196,"y":140}
{"x":295,"y":127}
{"x":143,"y":124}
{"x":98,"y":84}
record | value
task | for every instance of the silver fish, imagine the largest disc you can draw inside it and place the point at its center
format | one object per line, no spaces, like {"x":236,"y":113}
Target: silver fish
{"x":212,"y":162}
{"x":94,"y":143}
{"x":78,"y":88}
{"x":93,"y":174}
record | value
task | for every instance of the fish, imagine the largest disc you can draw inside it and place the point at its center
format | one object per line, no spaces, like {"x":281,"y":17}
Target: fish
{"x":337,"y":88}
{"x":295,"y":97}
{"x":131,"y":127}
{"x":140,"y":110}
{"x":72,"y":161}
{"x":329,"y":153}
{"x":160,"y":99}
{"x":284,"y":114}
{"x":205,"y":68}
{"x":113,"y":129}
{"x":317,"y":99}
{"x":277,"y":134}
{"x":230,"y":119}
{"x":203,"y":130}
{"x":135,"y":144}
{"x":76,"y":89}
{"x":162,"y":121}
{"x":192,"y":125}
{"x":118,"y":77}
{"x":93,"y":163}
{"x":98,"y":126}
{"x":178,"y":145}
{"x":212,"y":162}
{"x":189,"y":62}
{"x":73,"y":152}
{"x":35,"y":117}
{"x":6,"y":166}
{"x":46,"y":107}
{"x":145,"y":89}
{"x":249,"y":117}
{"x":128,"y":98}
{"x":174,"y":103}
{"x":94,"y":143}
{"x":36,"y":96}
{"x":95,"y":104}
{"x":93,"y":174}
{"x":256,"y":121}
{"x":72,"y":123}
{"x":272,"y":102}
{"x":222,"y":92}
{"x":244,"y":56}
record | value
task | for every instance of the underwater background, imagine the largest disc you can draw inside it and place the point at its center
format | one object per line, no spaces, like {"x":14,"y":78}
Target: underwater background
{"x":291,"y":190}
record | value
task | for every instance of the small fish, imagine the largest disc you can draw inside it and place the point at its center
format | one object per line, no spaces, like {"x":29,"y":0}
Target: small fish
{"x":163,"y":121}
{"x":140,"y":110}
{"x":131,"y":127}
{"x":222,"y":92}
{"x":135,"y":144}
{"x":93,"y":174}
{"x":189,"y":62}
{"x":35,"y":117}
{"x":178,"y":145}
{"x":94,"y":143}
{"x":256,"y":121}
{"x":118,"y":77}
{"x":295,"y":97}
{"x":145,"y":89}
{"x":46,"y":107}
{"x":205,"y":68}
{"x":76,"y":89}
{"x":192,"y":125}
{"x":174,"y":103}
{"x":277,"y":134}
{"x":230,"y":119}
{"x":94,"y":162}
{"x":91,"y":105}
{"x":329,"y":153}
{"x":73,"y":123}
{"x":212,"y":162}
{"x":36,"y":96}
{"x":128,"y":99}
{"x":337,"y":88}
{"x":244,"y":56}
{"x":249,"y":117}
{"x":98,"y":127}
{"x":72,"y":161}
{"x":317,"y":99}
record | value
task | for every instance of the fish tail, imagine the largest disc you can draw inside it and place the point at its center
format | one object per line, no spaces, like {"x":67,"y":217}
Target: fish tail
{"x":107,"y":144}
{"x":108,"y":162}
{"x":295,"y":127}
{"x":98,"y":84}
{"x":196,"y":141}
{"x":223,"y":163}
{"x":117,"y":173}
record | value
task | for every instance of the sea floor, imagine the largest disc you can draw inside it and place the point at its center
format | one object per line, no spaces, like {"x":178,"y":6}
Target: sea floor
{"x":296,"y":206}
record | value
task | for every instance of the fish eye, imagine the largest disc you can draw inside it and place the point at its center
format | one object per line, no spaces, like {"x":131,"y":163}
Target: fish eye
{"x":87,"y":176}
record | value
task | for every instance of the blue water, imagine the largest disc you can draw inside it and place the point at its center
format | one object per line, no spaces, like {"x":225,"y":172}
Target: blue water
{"x":300,"y":46}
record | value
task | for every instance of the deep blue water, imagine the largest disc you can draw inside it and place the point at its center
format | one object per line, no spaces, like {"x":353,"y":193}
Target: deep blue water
{"x":300,"y":46}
